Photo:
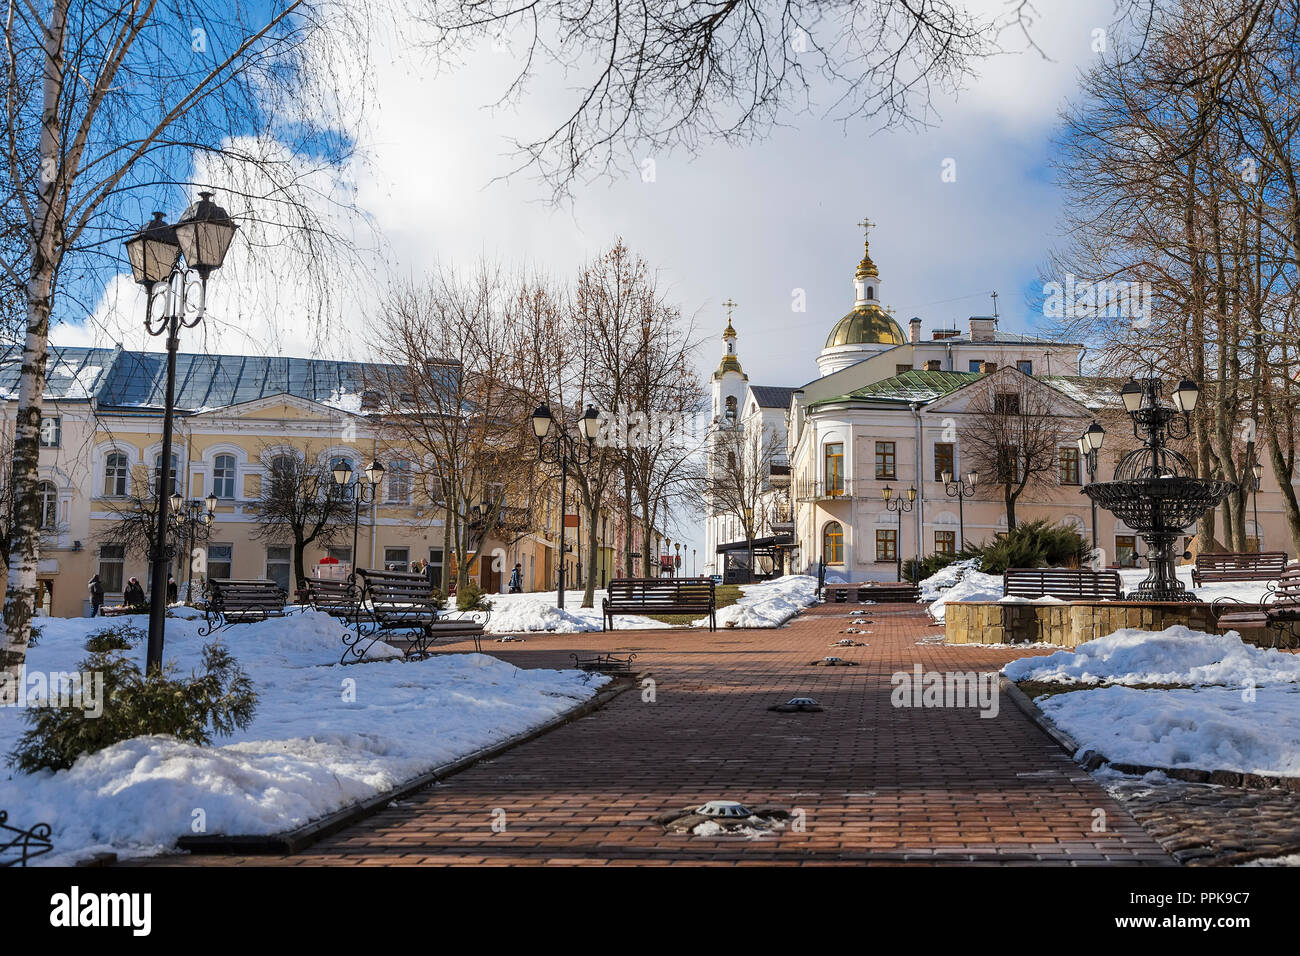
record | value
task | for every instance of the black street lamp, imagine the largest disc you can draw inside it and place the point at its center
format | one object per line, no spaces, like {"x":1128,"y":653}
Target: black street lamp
{"x":960,"y":490}
{"x":189,"y":522}
{"x":899,"y":506}
{"x":564,"y":450}
{"x":1257,"y":473}
{"x":364,"y":489}
{"x":1090,"y":443}
{"x":202,"y":237}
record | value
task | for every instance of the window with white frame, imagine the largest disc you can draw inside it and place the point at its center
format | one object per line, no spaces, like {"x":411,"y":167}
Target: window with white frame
{"x":398,"y":476}
{"x":112,"y":562}
{"x":223,"y":476}
{"x":48,"y":495}
{"x":116,"y":472}
{"x":51,"y":431}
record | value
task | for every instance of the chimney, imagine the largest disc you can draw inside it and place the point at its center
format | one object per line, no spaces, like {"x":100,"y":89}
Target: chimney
{"x":981,"y":328}
{"x":939,"y":334}
{"x":914,"y":329}
{"x":932,"y":365}
{"x":987,"y":367}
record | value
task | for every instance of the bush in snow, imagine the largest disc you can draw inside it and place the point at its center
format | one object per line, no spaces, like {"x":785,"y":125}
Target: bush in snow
{"x":120,"y":637}
{"x":217,"y":701}
{"x":470,"y":598}
{"x":36,"y":633}
{"x":1038,"y":544}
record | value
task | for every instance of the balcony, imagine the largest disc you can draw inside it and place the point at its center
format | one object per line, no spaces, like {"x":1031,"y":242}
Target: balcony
{"x":824,"y":491}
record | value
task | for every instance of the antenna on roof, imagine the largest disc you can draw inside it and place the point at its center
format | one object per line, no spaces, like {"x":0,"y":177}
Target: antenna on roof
{"x":995,"y":306}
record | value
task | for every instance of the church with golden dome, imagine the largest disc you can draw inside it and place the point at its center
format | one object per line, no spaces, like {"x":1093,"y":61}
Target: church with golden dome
{"x":885,"y":416}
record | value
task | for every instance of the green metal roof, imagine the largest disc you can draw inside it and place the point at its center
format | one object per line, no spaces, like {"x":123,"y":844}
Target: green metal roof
{"x":914,"y":385}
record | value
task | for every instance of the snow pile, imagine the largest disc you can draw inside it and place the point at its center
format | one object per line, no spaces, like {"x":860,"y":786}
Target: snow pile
{"x":974,"y":586}
{"x":324,"y":736}
{"x":769,"y":603}
{"x":1176,"y":655}
{"x":536,"y":611}
{"x":1211,"y":728}
{"x":946,"y":577}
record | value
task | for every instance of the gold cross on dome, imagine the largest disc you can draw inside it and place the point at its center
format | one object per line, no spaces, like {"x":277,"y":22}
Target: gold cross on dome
{"x":866,"y":225}
{"x":729,"y":305}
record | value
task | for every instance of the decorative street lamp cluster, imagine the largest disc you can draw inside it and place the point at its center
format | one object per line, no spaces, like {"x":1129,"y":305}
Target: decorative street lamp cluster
{"x":898,"y":506}
{"x":185,"y":521}
{"x":201,"y":237}
{"x":363,"y":489}
{"x":960,"y":489}
{"x":1154,"y":490}
{"x":563,"y":450}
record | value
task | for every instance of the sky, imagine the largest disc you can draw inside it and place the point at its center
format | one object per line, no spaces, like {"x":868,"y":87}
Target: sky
{"x":756,"y":223}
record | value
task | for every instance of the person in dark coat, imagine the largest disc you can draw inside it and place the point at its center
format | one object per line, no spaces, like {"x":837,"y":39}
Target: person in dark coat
{"x":517,"y":579}
{"x":171,"y":590}
{"x":96,"y":596}
{"x":133,"y":595}
{"x":427,"y":570}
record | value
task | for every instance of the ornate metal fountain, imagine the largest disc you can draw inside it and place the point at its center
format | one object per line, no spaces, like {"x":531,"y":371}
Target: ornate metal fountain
{"x":1154,"y":490}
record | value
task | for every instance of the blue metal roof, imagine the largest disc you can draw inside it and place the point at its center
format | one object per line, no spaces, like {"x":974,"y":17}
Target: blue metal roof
{"x":70,"y":373}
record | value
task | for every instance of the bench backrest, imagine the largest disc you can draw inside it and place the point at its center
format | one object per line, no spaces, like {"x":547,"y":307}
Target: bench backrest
{"x":1219,"y":562}
{"x":1287,"y":590}
{"x":231,"y":593}
{"x":1063,"y":583}
{"x":662,"y":592}
{"x":397,"y":587}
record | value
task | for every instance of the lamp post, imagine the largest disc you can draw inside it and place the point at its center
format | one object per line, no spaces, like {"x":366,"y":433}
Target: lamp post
{"x":678,"y":559}
{"x":563,"y":450}
{"x":899,"y":506}
{"x":364,"y":489}
{"x":960,"y":490}
{"x":185,"y":521}
{"x":1090,"y":443}
{"x":202,"y":236}
{"x":749,"y":540}
{"x":1257,"y":473}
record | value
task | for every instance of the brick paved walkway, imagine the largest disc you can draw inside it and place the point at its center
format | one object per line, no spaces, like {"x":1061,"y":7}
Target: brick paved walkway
{"x":877,"y":783}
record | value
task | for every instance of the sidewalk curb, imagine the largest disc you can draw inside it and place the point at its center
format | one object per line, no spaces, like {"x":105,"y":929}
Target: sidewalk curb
{"x":1035,"y":714}
{"x":294,"y":841}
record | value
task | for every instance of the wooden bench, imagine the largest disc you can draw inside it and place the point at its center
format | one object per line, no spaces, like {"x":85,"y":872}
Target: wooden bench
{"x":338,"y":599}
{"x":1279,"y":611}
{"x":660,"y":596}
{"x":232,"y":601}
{"x":887,"y":592}
{"x":1238,"y":566}
{"x":1067,"y":584}
{"x":400,"y":601}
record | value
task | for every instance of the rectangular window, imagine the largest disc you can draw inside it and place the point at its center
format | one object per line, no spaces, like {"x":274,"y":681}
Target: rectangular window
{"x":1026,"y":366}
{"x":397,"y":559}
{"x":835,"y":468}
{"x":1006,"y":403}
{"x":341,"y":555}
{"x":975,"y":364}
{"x":115,"y":472}
{"x":886,"y":544}
{"x":1069,"y":466}
{"x":221,"y":559}
{"x":51,"y":431}
{"x":277,"y":565}
{"x":112,"y":560}
{"x":885,"y":459}
{"x":223,"y":476}
{"x":945,"y":542}
{"x":399,"y":482}
{"x":1126,"y":550}
{"x":435,"y":562}
{"x":945,"y":459}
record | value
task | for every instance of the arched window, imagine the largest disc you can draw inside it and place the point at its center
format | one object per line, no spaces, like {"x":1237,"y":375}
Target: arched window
{"x":834,"y":452}
{"x":115,"y":472}
{"x":398,"y":476}
{"x":871,"y":292}
{"x":833,"y":543}
{"x":223,"y":476}
{"x":731,"y":407}
{"x":49,"y":496}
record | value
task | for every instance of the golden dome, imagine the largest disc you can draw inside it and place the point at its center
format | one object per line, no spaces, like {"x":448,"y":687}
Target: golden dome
{"x":866,"y":268}
{"x":866,"y":325}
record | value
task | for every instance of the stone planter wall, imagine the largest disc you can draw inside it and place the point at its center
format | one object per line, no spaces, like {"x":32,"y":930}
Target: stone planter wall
{"x":1067,"y":625}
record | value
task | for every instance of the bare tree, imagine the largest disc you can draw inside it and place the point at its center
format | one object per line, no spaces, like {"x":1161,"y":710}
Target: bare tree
{"x":736,"y":478}
{"x":1011,"y":438}
{"x":657,"y":77}
{"x":300,"y":502}
{"x":451,"y":391}
{"x":106,"y":105}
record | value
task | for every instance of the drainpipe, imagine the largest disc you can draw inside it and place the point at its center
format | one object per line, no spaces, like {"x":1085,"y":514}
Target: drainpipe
{"x":1084,"y":349}
{"x":920,"y":480}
